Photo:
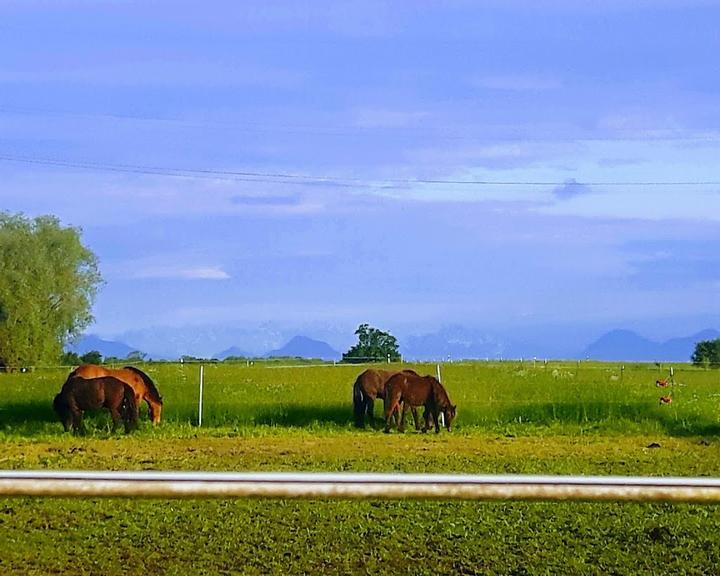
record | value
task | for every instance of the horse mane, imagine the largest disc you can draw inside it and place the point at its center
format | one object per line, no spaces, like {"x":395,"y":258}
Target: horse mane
{"x":441,"y":396}
{"x":154,"y":392}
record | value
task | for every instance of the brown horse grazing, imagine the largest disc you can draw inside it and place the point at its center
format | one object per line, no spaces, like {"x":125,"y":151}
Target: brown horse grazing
{"x":140,"y":382}
{"x":80,"y":394}
{"x":369,"y":386}
{"x":409,"y":390}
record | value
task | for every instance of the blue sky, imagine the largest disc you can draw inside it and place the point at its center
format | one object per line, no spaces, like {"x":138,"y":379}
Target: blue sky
{"x":597,"y":122}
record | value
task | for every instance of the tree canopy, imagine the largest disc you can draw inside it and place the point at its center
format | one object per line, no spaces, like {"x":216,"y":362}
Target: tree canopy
{"x":48,"y":282}
{"x":707,"y":353}
{"x":373,"y":346}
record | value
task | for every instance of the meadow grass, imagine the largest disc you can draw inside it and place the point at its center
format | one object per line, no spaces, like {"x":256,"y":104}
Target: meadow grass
{"x":563,"y":418}
{"x":525,"y":398}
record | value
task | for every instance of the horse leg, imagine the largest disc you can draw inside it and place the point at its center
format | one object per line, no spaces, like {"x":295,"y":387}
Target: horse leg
{"x":370,"y":409}
{"x":426,"y":419}
{"x":390,"y":408}
{"x":416,"y":418}
{"x":405,"y":408}
{"x":78,"y":424}
{"x":115,"y":415}
{"x":436,"y":415}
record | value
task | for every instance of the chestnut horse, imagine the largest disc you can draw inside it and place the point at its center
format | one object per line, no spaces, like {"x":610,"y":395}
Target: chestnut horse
{"x":409,"y":390}
{"x":369,"y":386}
{"x":140,"y":382}
{"x":80,"y":394}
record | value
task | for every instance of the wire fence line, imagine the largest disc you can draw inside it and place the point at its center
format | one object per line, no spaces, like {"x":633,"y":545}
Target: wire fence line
{"x":586,"y":364}
{"x":170,"y":485}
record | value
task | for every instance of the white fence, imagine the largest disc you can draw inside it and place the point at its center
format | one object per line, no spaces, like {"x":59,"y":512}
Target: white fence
{"x":358,"y":486}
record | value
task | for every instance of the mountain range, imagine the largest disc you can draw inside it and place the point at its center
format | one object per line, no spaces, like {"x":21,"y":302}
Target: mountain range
{"x":627,"y":345}
{"x":457,"y":343}
{"x":107,"y":348}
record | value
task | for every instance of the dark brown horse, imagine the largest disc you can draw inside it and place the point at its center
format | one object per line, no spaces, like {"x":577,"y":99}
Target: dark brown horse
{"x":80,"y":394}
{"x":140,"y":382}
{"x":405,"y":391}
{"x":369,"y":386}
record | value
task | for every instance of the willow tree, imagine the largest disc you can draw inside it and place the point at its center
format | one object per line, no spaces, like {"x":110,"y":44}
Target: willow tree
{"x":48,"y":282}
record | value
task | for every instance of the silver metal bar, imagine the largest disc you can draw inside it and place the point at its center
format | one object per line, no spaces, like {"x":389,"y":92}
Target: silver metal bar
{"x":356,"y":486}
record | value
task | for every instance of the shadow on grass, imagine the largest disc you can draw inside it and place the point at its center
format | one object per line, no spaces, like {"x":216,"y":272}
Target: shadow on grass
{"x":29,"y":412}
{"x":295,"y":416}
{"x":32,"y":418}
{"x":673,"y":422}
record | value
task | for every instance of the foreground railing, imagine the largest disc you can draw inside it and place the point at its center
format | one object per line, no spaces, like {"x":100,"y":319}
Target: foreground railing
{"x":378,"y":486}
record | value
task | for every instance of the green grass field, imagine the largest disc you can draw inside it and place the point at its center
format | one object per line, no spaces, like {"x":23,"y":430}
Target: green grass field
{"x":563,"y":418}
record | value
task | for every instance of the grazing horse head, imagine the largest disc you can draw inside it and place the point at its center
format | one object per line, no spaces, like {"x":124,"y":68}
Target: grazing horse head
{"x":62,"y":409}
{"x":151,"y":394}
{"x":449,"y":413}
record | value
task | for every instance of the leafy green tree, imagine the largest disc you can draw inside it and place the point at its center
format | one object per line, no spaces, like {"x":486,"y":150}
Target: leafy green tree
{"x":136,"y":356}
{"x":92,"y":357}
{"x":47,"y":286}
{"x":70,"y":359}
{"x":707,"y":354}
{"x":373,"y":346}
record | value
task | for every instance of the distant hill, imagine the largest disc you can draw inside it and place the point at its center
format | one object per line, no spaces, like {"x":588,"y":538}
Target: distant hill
{"x":303,"y":347}
{"x":629,"y":346}
{"x":233,"y":351}
{"x":90,"y":342}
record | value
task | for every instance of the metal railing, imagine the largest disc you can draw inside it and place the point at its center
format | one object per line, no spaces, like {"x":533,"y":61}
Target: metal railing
{"x":145,"y":484}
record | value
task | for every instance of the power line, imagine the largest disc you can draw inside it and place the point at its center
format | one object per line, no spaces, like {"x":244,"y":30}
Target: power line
{"x":356,"y":130}
{"x":343,"y":181}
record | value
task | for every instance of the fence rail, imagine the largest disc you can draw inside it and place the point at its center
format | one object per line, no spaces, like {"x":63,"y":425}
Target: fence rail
{"x":357,"y":486}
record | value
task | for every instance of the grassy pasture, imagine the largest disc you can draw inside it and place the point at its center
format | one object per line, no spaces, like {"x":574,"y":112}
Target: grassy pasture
{"x":511,"y":396}
{"x":562,"y":418}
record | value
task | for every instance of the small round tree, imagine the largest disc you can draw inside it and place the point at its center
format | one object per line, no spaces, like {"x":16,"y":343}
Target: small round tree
{"x":373,"y":346}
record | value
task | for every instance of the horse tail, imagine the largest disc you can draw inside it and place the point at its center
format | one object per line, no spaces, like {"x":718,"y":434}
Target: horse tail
{"x":130,"y":408}
{"x":359,"y":403}
{"x":153,"y":392}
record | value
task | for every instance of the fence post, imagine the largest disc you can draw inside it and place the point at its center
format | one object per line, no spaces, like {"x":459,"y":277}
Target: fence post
{"x":441,"y":416}
{"x":200,"y":399}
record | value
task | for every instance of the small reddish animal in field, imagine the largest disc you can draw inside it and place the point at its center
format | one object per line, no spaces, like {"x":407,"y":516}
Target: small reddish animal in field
{"x":665,"y":400}
{"x":662,"y":383}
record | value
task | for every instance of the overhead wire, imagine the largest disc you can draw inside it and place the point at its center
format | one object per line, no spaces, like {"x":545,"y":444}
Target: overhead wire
{"x":345,"y":181}
{"x":358,"y":129}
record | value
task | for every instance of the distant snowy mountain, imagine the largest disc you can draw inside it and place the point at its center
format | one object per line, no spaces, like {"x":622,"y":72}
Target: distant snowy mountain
{"x":171,"y":342}
{"x":455,"y":342}
{"x":628,"y":345}
{"x":303,"y":347}
{"x":90,"y":342}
